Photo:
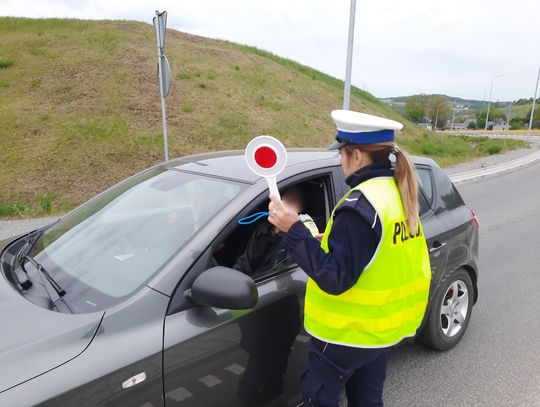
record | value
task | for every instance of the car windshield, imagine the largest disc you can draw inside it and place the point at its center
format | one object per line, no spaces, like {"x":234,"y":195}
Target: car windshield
{"x":118,"y":240}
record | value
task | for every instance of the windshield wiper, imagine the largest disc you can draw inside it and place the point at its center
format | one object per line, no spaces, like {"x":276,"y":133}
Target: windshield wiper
{"x":23,"y":280}
{"x":59,"y":290}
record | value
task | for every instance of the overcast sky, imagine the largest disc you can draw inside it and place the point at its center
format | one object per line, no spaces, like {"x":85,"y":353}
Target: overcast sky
{"x":401,"y":47}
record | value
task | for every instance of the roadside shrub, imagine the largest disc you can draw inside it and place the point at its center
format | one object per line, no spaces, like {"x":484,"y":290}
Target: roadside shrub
{"x":12,"y":209}
{"x":45,"y":203}
{"x":495,"y":149}
{"x":5,"y":63}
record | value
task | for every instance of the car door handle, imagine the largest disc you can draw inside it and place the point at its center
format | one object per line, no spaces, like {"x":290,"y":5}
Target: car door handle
{"x":436,"y":246}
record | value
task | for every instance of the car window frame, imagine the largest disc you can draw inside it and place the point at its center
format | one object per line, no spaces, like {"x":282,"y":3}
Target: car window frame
{"x":328,"y":188}
{"x":431,"y":205}
{"x":179,"y":303}
{"x":433,"y":184}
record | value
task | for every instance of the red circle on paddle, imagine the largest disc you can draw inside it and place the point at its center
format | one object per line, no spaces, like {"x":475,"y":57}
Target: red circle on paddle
{"x":265,"y":157}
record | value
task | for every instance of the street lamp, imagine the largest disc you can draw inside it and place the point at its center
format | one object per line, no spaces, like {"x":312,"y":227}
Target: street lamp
{"x":454,"y":112}
{"x":533,"y":103}
{"x":489,"y":101}
{"x":437,"y":114}
{"x":348,"y":67}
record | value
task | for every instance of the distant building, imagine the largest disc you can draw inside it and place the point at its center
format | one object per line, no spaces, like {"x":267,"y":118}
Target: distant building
{"x":499,"y":124}
{"x":425,"y":126}
{"x":464,"y":125}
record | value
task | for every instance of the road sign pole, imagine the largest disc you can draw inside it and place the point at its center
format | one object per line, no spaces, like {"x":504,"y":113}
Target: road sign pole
{"x":161,"y":88}
{"x":533,"y":103}
{"x":348,"y":67}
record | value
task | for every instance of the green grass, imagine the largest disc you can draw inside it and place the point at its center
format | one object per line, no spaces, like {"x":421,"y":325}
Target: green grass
{"x":5,"y":63}
{"x":8,"y":209}
{"x":517,"y":110}
{"x":186,"y":107}
{"x":451,"y":150}
{"x":81,"y":111}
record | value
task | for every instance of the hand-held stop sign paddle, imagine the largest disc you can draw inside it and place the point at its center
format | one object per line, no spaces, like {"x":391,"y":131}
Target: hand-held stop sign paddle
{"x":267,"y":157}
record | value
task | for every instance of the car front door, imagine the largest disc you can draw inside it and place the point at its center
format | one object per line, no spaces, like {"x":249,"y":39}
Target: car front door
{"x":253,"y":357}
{"x":219,"y":357}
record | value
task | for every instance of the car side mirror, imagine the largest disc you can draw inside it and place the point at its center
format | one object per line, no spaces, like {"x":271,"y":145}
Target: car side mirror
{"x":223,"y":287}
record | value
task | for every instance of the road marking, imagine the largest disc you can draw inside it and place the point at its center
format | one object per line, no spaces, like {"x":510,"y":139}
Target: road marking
{"x":147,"y":404}
{"x":235,"y":369}
{"x":179,"y":394}
{"x":210,"y":381}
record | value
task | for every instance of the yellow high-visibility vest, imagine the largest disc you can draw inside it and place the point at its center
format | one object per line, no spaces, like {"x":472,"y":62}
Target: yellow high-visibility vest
{"x":388,"y":302}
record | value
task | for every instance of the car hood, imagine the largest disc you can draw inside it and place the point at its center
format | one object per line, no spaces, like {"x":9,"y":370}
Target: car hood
{"x":34,"y":340}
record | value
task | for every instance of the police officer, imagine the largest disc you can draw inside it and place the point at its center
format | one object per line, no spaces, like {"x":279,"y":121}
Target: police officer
{"x":369,"y":274}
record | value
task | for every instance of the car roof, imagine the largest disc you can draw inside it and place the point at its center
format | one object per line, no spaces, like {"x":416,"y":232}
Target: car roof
{"x":231,"y":164}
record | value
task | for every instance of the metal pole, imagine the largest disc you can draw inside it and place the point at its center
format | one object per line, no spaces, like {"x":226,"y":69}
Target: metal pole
{"x":453,"y":113}
{"x":489,"y":102}
{"x":533,"y":103}
{"x":348,"y":67}
{"x":437,"y":116}
{"x":163,"y":110}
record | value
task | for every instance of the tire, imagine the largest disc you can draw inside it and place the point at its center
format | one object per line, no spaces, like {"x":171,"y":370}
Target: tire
{"x":441,"y":331}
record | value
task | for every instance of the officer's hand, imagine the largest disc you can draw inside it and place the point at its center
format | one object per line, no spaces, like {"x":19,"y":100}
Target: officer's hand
{"x":319,"y":236}
{"x":281,"y":216}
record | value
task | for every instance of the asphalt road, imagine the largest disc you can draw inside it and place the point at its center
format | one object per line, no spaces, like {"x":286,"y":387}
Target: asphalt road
{"x":497,"y":363}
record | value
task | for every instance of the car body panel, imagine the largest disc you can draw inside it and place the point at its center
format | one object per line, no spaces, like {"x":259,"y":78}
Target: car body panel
{"x":35,"y":340}
{"x":129,"y":341}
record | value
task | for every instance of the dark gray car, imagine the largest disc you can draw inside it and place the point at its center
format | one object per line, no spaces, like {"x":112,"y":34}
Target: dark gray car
{"x":131,"y":299}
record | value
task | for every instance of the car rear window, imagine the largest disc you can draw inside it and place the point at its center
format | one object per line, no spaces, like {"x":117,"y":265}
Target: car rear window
{"x":448,"y":197}
{"x":425,"y":179}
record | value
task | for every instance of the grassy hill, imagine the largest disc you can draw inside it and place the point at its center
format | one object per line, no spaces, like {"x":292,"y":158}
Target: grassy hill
{"x":80,"y":108}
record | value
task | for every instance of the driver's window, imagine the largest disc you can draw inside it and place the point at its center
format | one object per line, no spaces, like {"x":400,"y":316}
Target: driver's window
{"x":257,"y":249}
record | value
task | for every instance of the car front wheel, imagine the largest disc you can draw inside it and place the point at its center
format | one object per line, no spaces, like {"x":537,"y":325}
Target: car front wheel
{"x":450,"y":312}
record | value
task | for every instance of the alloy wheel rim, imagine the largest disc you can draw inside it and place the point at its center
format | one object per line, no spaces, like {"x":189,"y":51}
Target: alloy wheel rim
{"x":454,"y":309}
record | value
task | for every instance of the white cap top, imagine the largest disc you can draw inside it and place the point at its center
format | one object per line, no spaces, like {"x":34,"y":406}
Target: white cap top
{"x":355,"y":122}
{"x":362,"y":128}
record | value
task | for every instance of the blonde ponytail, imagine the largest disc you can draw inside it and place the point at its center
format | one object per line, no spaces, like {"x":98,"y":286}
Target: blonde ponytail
{"x":404,"y":173}
{"x":407,"y":183}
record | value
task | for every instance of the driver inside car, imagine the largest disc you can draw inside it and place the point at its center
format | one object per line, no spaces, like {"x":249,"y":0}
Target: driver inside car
{"x":264,"y":251}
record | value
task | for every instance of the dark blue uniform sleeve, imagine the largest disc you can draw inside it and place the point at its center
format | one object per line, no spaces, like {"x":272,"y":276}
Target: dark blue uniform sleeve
{"x":352,"y":243}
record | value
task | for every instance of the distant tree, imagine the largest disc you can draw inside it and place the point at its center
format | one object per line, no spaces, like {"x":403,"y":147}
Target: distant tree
{"x":517,"y":123}
{"x":472,"y":125}
{"x":415,"y":107}
{"x":536,"y":118}
{"x":439,"y":109}
{"x":493,"y":114}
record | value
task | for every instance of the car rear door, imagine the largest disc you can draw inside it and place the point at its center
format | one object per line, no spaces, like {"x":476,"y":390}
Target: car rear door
{"x":435,"y":229}
{"x":457,"y":219}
